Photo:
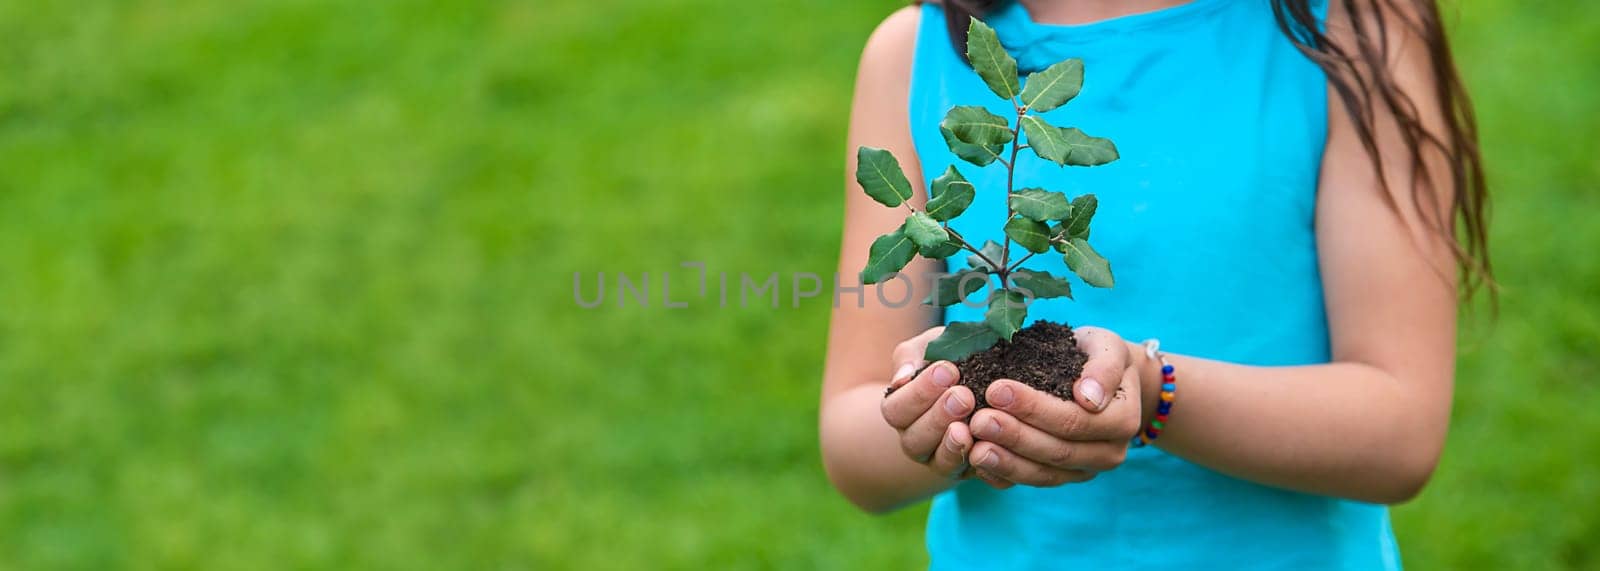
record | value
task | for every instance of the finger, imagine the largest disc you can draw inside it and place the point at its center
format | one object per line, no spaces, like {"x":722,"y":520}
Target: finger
{"x":1127,"y":408}
{"x":990,"y":425}
{"x":1108,"y":357}
{"x":996,"y":460}
{"x":994,"y":481}
{"x":1063,"y":419}
{"x":921,"y":439}
{"x":907,"y":357}
{"x":950,"y":459}
{"x":906,"y":405}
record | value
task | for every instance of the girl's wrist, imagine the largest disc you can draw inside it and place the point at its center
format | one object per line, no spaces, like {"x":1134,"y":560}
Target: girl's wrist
{"x":1149,"y":382}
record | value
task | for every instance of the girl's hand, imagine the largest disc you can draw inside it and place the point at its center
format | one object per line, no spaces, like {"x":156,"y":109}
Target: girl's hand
{"x":928,"y":409}
{"x":1030,"y":437}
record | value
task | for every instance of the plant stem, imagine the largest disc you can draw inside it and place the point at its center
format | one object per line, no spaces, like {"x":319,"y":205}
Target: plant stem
{"x":1014,"y":267}
{"x":969,"y":247}
{"x":1004,"y":269}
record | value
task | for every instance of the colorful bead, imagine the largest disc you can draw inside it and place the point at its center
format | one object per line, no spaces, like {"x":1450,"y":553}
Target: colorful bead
{"x":1168,"y":394}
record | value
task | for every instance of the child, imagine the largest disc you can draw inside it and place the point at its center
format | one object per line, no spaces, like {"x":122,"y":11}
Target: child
{"x":1283,"y":218}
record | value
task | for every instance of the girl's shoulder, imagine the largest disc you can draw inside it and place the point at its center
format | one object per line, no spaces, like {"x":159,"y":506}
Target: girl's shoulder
{"x":886,"y":61}
{"x":893,"y":43}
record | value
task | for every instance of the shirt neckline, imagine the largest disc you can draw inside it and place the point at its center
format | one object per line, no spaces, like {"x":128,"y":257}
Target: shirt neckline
{"x":1034,"y":42}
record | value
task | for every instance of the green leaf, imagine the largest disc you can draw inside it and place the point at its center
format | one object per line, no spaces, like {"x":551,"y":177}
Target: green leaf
{"x":944,"y":250}
{"x":1059,"y":236}
{"x":888,"y":254}
{"x":1067,"y":146}
{"x":1031,"y":234}
{"x":952,"y":194}
{"x":1054,"y":86}
{"x":1087,"y":263}
{"x":960,"y":340}
{"x":925,"y":231}
{"x":1041,"y":284}
{"x":990,"y":250}
{"x":879,"y":174}
{"x":953,"y":288}
{"x":975,"y":125}
{"x":980,"y":155}
{"x":1007,"y":309}
{"x":989,"y":58}
{"x":1083,"y":207}
{"x":1040,"y":204}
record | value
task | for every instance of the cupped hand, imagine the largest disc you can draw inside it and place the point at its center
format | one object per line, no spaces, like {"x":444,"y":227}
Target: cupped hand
{"x":929,"y":409}
{"x":1030,"y":437}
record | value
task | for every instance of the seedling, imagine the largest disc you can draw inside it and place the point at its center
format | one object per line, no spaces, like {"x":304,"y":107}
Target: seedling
{"x":1037,"y":220}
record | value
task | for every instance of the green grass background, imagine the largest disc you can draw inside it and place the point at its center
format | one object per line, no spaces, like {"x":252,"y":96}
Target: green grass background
{"x":288,"y":285}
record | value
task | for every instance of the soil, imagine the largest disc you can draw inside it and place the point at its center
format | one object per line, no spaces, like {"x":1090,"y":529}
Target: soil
{"x":1044,"y":356}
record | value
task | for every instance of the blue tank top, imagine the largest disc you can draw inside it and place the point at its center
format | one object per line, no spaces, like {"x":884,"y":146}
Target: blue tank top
{"x":1207,"y":220}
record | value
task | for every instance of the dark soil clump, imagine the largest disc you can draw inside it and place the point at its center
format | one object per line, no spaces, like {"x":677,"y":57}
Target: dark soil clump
{"x":1044,"y":356}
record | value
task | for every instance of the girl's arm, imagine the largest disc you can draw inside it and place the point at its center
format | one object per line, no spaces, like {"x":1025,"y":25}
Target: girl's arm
{"x":1369,"y":426}
{"x":1372,"y":424}
{"x":867,"y":459}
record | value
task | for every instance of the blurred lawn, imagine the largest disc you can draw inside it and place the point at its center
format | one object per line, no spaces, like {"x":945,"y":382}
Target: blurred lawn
{"x":288,"y":284}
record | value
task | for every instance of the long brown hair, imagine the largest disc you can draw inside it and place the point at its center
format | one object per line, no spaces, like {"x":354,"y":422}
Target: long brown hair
{"x":1361,"y":78}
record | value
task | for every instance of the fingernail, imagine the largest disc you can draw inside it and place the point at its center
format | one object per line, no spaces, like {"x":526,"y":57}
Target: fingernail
{"x":989,"y":460}
{"x":902,"y":374}
{"x":1094,"y":392}
{"x":988,"y":430}
{"x":1002,"y":396}
{"x":951,"y":444}
{"x":955,"y":405}
{"x":944,"y":375}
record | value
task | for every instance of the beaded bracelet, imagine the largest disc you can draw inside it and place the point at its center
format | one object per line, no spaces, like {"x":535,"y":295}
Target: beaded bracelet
{"x":1169,"y":393}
